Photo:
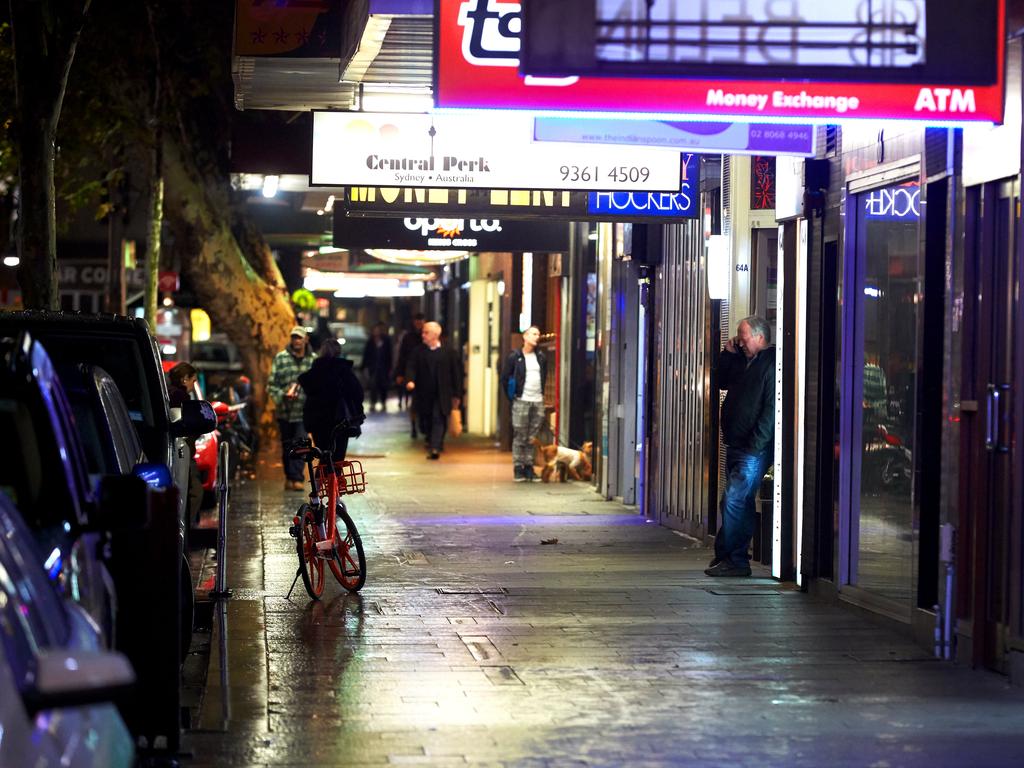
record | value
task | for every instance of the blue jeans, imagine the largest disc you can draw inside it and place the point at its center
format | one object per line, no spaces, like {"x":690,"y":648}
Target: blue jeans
{"x":294,"y":469}
{"x":744,"y":473}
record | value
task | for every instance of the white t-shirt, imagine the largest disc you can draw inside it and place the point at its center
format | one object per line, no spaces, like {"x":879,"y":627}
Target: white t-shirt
{"x":533,"y":387}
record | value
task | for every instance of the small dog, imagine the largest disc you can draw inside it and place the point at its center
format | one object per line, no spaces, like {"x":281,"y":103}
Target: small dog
{"x":565,"y":461}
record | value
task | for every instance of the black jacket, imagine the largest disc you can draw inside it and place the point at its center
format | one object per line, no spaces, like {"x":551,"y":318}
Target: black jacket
{"x":515,"y":368}
{"x":748,"y":413}
{"x":437,"y":375}
{"x":329,"y":380}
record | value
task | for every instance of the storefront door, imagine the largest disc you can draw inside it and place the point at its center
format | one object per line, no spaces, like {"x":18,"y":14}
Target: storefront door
{"x":990,"y":522}
{"x":882,"y":306}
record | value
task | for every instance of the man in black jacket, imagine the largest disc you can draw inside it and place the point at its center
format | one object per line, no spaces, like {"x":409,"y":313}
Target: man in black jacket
{"x":434,"y":376}
{"x":522,"y":381}
{"x":746,"y":368}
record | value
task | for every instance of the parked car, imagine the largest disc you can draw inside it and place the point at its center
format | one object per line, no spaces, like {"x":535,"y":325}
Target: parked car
{"x":112,"y":447}
{"x":149,"y":564}
{"x":52,"y":662}
{"x":43,"y":471}
{"x":353,"y":338}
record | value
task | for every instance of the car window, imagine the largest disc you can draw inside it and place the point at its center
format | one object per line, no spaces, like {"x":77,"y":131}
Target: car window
{"x":31,"y":613}
{"x":32,"y":471}
{"x":126,"y":443}
{"x":117,"y":356}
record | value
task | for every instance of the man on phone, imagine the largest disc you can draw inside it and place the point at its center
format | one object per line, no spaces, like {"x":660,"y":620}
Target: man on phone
{"x":746,"y":368}
{"x":288,"y":399}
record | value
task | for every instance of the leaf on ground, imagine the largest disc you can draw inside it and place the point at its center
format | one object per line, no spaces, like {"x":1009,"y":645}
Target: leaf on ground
{"x":549,"y":541}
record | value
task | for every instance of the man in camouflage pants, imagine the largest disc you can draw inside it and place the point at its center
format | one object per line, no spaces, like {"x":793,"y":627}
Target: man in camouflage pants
{"x":288,"y":399}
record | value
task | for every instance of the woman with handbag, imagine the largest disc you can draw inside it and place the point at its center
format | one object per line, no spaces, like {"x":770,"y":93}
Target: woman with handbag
{"x":333,"y":395}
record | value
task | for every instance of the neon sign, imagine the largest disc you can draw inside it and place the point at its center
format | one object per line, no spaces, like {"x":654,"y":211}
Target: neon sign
{"x":478,"y":55}
{"x":902,"y":203}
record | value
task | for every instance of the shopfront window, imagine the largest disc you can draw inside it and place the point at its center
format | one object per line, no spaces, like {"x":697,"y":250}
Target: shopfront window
{"x":887,"y":304}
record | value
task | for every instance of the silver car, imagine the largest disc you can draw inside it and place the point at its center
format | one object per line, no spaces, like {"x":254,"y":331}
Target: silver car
{"x":56,"y":682}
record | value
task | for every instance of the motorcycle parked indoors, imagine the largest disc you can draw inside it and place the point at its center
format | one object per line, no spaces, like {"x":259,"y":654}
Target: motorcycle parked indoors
{"x":888,"y":462}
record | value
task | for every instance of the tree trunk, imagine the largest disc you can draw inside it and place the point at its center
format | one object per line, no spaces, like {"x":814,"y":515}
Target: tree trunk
{"x":45,"y":34}
{"x":37,"y":216}
{"x":156,"y":223}
{"x":254,"y":314}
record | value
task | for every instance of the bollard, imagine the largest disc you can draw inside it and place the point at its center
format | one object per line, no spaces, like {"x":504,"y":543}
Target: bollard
{"x":223,"y":474}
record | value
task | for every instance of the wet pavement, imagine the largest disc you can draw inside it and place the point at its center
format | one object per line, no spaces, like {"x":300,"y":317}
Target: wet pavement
{"x":476,"y":643}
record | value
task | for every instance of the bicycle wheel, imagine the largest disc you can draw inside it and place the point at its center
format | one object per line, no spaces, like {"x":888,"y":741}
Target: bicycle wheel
{"x":349,"y":563}
{"x":310,"y":566}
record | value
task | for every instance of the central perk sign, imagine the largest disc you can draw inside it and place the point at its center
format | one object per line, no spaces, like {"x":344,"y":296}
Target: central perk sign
{"x":478,"y":51}
{"x":529,"y":204}
{"x":489,"y":151}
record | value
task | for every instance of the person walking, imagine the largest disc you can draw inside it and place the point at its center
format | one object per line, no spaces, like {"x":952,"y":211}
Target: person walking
{"x":181,"y":383}
{"x":411,"y":341}
{"x":333,"y":395}
{"x":434,"y":376}
{"x":376,"y":366}
{"x":746,"y":368}
{"x":522,"y":381}
{"x":288,"y":399}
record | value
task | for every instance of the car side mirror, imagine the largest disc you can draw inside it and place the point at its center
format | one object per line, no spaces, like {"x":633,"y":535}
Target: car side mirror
{"x":197,"y":418}
{"x":70,"y":679}
{"x":123,"y":504}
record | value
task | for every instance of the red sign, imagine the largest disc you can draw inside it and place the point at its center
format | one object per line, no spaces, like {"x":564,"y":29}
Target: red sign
{"x":167,"y":282}
{"x":478,"y":68}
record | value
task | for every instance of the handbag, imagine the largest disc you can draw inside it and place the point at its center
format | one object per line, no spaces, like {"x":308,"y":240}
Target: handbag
{"x":455,"y":423}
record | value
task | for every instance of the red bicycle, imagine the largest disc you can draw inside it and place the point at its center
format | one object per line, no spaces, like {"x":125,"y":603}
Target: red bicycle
{"x":322,"y":528}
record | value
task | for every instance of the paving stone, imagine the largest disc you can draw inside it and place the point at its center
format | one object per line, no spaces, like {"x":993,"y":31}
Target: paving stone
{"x":473,"y":644}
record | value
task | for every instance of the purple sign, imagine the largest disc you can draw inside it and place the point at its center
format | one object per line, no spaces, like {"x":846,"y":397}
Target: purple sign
{"x":731,"y":138}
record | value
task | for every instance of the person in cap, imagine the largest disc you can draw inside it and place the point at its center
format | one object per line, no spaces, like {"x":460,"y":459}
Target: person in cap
{"x":288,"y":399}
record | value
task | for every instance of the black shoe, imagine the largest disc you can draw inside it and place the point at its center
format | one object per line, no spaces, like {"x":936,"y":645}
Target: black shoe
{"x":725,"y":568}
{"x":518,"y":475}
{"x":529,"y":474}
{"x":714,"y":561}
{"x":434,"y":455}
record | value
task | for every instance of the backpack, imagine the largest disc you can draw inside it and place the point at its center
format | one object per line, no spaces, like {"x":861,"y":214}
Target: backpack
{"x":351,"y":412}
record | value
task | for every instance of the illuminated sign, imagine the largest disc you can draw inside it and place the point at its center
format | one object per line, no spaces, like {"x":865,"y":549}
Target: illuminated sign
{"x":888,"y":34}
{"x":730,"y":138}
{"x":410,"y":150}
{"x":651,"y":205}
{"x":424,"y":233}
{"x":902,"y":203}
{"x":516,"y":204}
{"x":478,"y":52}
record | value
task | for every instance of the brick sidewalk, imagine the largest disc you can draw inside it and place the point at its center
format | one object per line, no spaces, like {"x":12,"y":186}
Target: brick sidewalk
{"x":473,"y":643}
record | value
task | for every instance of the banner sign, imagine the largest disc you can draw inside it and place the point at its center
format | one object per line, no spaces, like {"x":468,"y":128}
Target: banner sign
{"x":441,"y":234}
{"x":478,"y":58}
{"x":301,"y":30}
{"x":411,"y":150}
{"x":726,"y":138}
{"x":521,"y":204}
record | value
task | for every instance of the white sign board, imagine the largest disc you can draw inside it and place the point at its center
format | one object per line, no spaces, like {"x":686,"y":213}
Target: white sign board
{"x":485,"y":150}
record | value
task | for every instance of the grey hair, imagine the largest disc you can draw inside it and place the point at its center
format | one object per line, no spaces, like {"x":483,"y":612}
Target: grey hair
{"x":759,"y":327}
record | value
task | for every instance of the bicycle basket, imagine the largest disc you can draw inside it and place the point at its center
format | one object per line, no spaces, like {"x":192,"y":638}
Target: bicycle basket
{"x":351,"y":477}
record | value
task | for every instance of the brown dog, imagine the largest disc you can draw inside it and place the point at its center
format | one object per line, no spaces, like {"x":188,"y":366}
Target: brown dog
{"x":565,"y":461}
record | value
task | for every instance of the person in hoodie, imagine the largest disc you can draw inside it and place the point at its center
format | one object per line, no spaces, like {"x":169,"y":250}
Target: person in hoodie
{"x":333,"y":395}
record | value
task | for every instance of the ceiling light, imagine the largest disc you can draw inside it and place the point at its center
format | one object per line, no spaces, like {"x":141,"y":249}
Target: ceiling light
{"x":270,"y":184}
{"x":418,"y":258}
{"x":11,"y":261}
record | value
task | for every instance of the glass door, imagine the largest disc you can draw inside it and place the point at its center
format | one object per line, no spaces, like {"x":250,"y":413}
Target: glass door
{"x":883,"y":306}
